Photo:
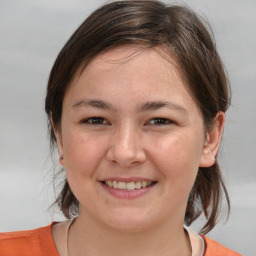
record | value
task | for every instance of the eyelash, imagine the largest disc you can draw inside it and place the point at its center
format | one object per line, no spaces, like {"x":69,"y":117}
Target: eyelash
{"x":162,"y":121}
{"x":102,"y":121}
{"x":95,"y":120}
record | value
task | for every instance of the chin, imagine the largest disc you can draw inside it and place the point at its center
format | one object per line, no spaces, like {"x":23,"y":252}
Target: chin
{"x":129,"y":226}
{"x":128,"y":222}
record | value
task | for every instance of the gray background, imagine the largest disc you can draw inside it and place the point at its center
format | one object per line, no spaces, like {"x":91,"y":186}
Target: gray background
{"x":31,"y":35}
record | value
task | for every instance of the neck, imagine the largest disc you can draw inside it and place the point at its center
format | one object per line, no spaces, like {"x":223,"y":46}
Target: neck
{"x":94,"y":238}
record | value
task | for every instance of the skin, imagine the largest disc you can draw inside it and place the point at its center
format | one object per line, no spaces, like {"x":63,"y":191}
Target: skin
{"x":128,"y":142}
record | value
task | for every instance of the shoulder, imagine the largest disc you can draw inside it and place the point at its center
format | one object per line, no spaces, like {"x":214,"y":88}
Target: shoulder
{"x":27,"y":243}
{"x":213,"y":248}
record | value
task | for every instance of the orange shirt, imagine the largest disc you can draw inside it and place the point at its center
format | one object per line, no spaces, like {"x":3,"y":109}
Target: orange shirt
{"x":213,"y":248}
{"x":39,"y":242}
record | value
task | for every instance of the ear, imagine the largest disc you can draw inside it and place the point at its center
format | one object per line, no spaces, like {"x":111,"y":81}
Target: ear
{"x":212,"y":142}
{"x":58,"y":137}
{"x":60,"y":148}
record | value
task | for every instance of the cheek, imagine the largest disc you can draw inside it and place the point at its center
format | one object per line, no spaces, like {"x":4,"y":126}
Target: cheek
{"x":177,"y":158}
{"x":83,"y":153}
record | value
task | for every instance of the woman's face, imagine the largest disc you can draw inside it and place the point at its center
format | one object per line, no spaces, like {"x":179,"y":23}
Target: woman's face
{"x":132,"y":139}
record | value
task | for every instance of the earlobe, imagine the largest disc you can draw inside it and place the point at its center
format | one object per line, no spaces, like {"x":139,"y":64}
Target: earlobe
{"x":207,"y":157}
{"x":61,"y":160}
{"x":60,"y":147}
{"x":212,"y":142}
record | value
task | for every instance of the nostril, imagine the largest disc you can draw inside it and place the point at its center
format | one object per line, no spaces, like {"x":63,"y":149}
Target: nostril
{"x":126,"y":157}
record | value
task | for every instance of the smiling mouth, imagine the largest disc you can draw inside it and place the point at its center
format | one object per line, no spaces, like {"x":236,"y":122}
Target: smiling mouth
{"x":130,"y":186}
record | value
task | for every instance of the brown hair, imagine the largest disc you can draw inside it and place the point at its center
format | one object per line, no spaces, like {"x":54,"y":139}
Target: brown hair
{"x":150,"y":23}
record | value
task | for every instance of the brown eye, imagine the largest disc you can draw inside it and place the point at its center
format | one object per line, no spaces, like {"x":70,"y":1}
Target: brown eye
{"x":95,"y":121}
{"x":160,"y":121}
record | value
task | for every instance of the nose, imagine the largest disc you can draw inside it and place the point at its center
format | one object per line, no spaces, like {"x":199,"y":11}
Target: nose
{"x":126,"y":148}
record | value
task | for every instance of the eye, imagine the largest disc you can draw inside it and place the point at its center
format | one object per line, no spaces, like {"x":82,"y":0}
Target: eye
{"x":160,"y":121}
{"x":95,"y":121}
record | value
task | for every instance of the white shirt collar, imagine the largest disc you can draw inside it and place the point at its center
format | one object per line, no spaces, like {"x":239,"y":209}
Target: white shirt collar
{"x":197,"y":243}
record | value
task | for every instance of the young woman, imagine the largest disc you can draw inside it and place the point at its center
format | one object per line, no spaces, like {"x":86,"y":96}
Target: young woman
{"x":136,"y":104}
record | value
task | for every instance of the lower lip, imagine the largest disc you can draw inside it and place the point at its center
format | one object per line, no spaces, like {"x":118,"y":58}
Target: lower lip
{"x":127,"y":194}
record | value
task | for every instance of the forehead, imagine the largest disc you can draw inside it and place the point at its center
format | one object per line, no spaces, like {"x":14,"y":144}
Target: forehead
{"x":144,"y":59}
{"x":131,"y":66}
{"x":127,"y":54}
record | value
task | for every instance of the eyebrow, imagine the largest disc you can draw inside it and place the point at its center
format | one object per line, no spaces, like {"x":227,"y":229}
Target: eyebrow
{"x":155,"y":105}
{"x":144,"y":107}
{"x":93,"y":103}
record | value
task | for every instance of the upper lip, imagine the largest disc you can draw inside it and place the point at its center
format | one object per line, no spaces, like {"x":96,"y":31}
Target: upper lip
{"x":130,"y":179}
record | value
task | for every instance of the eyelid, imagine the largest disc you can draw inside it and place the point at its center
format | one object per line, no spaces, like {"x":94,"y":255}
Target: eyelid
{"x":86,"y":121}
{"x":168,"y":121}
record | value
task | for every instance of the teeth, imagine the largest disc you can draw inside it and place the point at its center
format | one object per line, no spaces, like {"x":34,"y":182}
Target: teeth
{"x":144,"y":184}
{"x":115,"y":184}
{"x":109,"y":183}
{"x":128,"y":185}
{"x":138,"y":185}
{"x":121,"y":185}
